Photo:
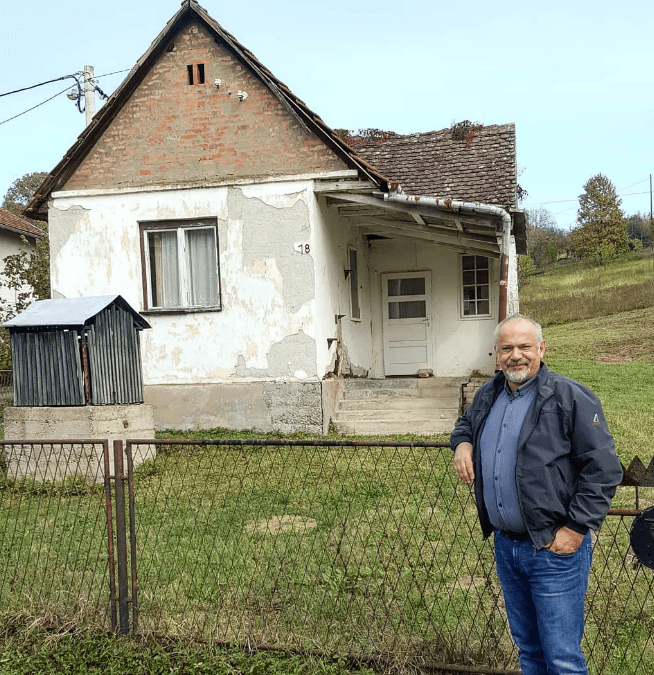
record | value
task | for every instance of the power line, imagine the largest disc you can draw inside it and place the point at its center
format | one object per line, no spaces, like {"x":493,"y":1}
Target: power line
{"x":58,"y":79}
{"x":567,"y":201}
{"x":41,"y":84}
{"x":34,"y":107}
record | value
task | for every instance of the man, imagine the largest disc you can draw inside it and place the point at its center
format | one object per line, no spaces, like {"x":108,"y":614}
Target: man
{"x":537,"y":447}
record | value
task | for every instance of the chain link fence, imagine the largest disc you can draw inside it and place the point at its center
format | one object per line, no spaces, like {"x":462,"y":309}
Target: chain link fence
{"x":365,"y":549}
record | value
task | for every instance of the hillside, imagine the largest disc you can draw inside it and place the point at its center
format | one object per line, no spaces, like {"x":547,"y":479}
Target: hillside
{"x":569,"y":292}
{"x":599,"y":330}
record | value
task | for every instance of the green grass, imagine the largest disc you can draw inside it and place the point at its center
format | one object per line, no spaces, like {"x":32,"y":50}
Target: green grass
{"x":567,"y":294}
{"x":381,"y":553}
{"x":90,"y":653}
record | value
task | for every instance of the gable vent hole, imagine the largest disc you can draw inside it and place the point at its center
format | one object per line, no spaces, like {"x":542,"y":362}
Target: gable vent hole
{"x":195,"y":73}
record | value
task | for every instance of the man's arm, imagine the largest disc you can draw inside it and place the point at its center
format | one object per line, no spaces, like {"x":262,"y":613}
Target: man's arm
{"x":593,"y":452}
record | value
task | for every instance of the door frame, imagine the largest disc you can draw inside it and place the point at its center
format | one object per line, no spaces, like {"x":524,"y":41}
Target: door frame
{"x":429,"y":340}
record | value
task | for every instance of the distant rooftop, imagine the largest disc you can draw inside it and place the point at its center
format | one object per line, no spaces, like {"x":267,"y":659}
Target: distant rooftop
{"x":14,"y":223}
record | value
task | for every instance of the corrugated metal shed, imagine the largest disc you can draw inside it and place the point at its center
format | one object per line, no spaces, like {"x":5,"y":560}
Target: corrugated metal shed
{"x":77,"y":351}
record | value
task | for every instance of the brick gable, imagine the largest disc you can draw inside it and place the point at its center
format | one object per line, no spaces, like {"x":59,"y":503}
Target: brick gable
{"x":172,"y":132}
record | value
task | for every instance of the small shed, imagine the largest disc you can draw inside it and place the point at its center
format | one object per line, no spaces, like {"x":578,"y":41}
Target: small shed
{"x":76,"y":352}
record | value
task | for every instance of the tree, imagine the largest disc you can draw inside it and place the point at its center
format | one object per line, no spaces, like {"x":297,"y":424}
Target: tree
{"x":638,"y":228}
{"x":28,"y":271}
{"x":545,"y":241}
{"x":601,"y":232}
{"x":21,"y":191}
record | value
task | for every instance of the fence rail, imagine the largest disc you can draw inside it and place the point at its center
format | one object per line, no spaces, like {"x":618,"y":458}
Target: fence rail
{"x":362,"y":548}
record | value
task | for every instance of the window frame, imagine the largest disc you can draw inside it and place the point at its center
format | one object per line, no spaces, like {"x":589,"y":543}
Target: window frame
{"x":353,"y":283}
{"x":490,"y":299}
{"x":180,"y":226}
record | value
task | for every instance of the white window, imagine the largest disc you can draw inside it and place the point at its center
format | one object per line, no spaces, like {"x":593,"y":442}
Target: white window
{"x":475,"y":275}
{"x":180,"y":259}
{"x":353,"y":266}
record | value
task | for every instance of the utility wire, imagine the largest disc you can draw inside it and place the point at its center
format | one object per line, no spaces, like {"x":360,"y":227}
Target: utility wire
{"x":75,"y":77}
{"x":63,"y":91}
{"x":34,"y":86}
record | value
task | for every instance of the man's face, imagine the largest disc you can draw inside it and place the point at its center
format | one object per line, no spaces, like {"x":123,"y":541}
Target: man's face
{"x":519,"y":352}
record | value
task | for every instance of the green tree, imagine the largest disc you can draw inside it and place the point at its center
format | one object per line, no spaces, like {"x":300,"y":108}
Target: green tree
{"x":28,"y":271}
{"x":545,"y":241}
{"x":21,"y":191}
{"x":601,"y":232}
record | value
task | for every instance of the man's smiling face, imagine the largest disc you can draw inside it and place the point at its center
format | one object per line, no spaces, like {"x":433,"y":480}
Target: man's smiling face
{"x":519,"y":351}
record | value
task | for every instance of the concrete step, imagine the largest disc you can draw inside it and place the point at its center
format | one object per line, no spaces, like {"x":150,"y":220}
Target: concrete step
{"x":387,"y":427}
{"x":400,"y":415}
{"x":447,"y":394}
{"x":399,"y":403}
{"x":423,"y":406}
{"x":404,"y":383}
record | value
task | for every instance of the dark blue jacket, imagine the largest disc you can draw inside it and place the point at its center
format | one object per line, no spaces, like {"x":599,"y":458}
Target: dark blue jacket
{"x":566,"y":470}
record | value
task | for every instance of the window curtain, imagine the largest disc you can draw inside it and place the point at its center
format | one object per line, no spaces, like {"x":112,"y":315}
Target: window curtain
{"x":164,"y":269}
{"x":202,"y":261}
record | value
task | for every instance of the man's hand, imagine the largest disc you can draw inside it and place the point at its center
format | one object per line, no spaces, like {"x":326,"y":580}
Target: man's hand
{"x":463,"y":463}
{"x":566,"y":541}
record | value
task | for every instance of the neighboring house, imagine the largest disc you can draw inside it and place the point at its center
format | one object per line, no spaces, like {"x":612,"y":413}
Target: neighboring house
{"x":270,"y":256}
{"x":14,"y":233}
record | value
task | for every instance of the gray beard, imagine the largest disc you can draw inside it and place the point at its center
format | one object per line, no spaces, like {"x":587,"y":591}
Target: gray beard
{"x":517,"y":377}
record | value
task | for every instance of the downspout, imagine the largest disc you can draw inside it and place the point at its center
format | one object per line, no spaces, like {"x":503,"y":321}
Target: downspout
{"x":472,"y":208}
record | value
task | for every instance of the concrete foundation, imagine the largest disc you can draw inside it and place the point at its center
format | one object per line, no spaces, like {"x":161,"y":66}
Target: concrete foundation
{"x":56,"y":461}
{"x":285,"y":406}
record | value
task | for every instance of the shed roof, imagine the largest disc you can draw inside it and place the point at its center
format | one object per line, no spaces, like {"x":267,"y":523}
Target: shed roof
{"x":10,"y":221}
{"x":70,"y":312}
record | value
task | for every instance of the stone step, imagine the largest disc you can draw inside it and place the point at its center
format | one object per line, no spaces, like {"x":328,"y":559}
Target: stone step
{"x":404,"y":383}
{"x":399,"y":403}
{"x":400,"y":415}
{"x":424,"y":406}
{"x":389,"y":426}
{"x":435,"y":394}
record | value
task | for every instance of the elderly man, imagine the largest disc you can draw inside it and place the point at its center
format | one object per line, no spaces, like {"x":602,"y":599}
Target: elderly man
{"x":537,"y":447}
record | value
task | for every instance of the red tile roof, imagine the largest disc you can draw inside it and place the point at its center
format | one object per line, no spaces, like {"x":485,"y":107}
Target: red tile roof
{"x":472,"y":163}
{"x":10,"y":221}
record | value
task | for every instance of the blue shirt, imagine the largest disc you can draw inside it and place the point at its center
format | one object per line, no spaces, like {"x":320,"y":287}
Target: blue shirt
{"x":499,"y":452}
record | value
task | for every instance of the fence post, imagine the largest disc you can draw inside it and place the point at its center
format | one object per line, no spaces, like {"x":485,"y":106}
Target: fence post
{"x":110,"y":534}
{"x":121,"y":539}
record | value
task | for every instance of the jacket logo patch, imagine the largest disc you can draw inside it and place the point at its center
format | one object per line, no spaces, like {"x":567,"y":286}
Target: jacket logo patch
{"x":596,"y":419}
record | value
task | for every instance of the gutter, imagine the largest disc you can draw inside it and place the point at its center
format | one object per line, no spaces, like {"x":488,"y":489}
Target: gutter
{"x":472,"y":208}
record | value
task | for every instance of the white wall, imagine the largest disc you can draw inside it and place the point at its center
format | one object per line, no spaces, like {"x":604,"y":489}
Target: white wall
{"x":10,"y":244}
{"x":459,"y":344}
{"x":266,"y":329}
{"x":334,"y":236}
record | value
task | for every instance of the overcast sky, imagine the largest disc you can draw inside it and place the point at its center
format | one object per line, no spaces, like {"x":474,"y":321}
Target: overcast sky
{"x":575,"y":76}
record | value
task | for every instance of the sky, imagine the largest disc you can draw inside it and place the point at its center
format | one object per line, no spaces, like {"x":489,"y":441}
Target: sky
{"x":575,"y":76}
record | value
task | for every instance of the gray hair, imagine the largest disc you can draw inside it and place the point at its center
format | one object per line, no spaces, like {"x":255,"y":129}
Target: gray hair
{"x":518,"y":317}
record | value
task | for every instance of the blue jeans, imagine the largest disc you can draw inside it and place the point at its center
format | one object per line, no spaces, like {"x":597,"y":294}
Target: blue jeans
{"x":544,"y":596}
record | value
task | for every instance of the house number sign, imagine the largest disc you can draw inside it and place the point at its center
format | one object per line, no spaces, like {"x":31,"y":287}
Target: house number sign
{"x":302,"y":247}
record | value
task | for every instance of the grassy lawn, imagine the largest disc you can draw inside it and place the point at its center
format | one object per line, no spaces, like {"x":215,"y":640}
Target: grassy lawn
{"x":369,"y":550}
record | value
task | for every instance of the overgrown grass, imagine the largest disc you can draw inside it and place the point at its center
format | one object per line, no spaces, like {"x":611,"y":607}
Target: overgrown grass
{"x":47,"y":653}
{"x":567,"y":294}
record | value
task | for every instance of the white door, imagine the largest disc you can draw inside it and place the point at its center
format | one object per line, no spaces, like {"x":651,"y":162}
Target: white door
{"x":406,"y":322}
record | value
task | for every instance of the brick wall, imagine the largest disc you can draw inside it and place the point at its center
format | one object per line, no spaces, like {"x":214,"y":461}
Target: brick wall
{"x":173,"y":132}
{"x":471,"y":388}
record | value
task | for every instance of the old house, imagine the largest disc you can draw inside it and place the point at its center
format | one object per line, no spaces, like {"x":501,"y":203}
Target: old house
{"x":271,"y":255}
{"x":16,"y":235}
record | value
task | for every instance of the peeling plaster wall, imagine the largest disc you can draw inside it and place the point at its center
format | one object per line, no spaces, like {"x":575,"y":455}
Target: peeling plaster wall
{"x":266,"y":330}
{"x":333,"y":236}
{"x":459,"y":345}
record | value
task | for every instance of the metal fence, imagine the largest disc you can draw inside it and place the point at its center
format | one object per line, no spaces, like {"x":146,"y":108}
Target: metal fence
{"x":370,"y":550}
